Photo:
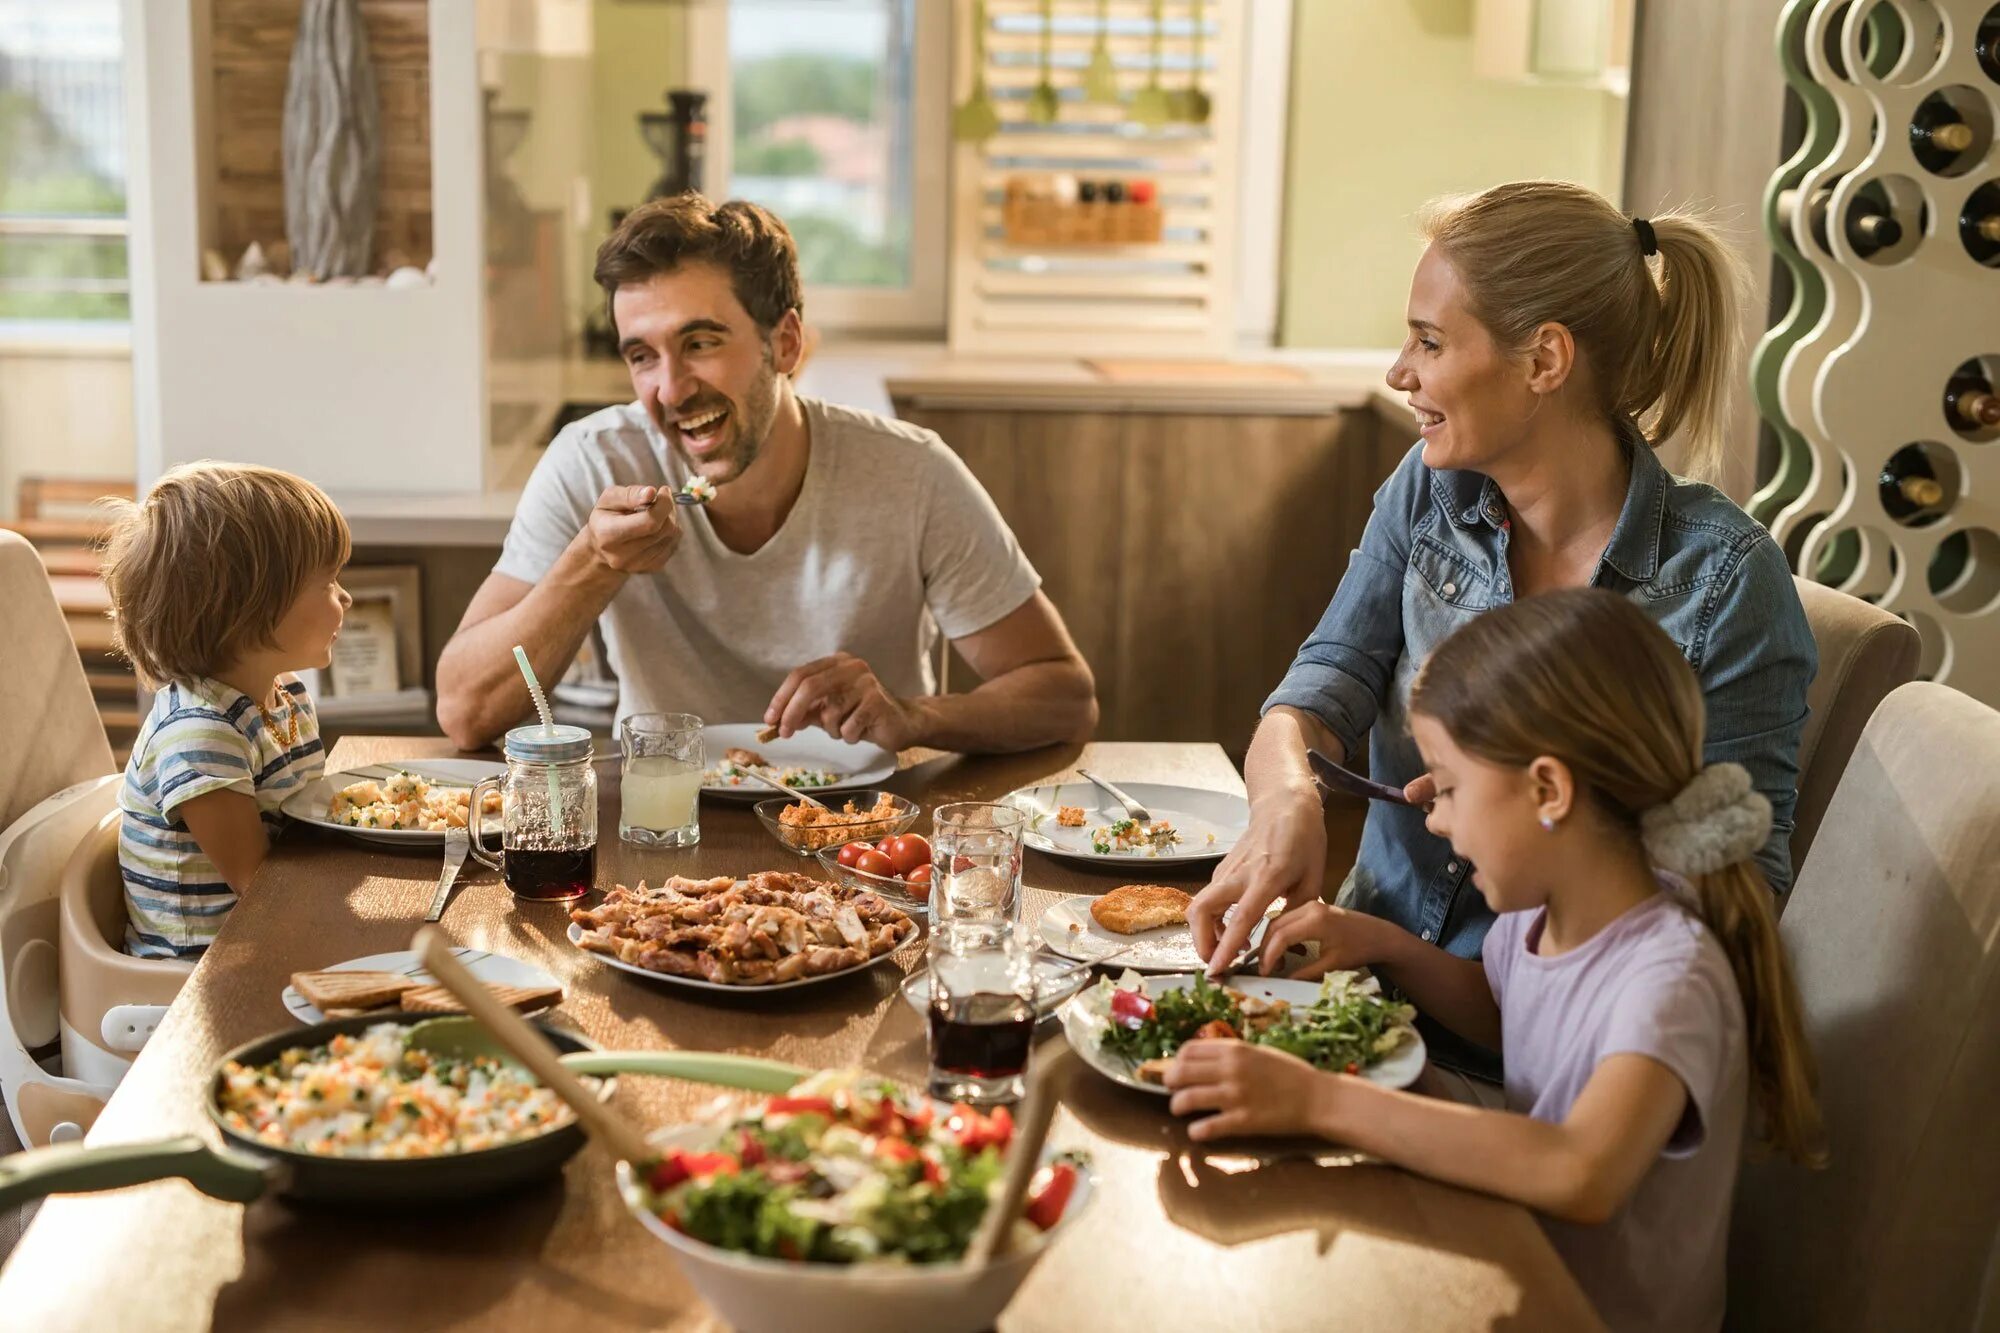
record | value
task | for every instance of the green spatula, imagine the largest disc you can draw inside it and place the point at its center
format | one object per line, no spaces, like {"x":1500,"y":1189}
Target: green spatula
{"x":976,"y":120}
{"x":463,"y":1038}
{"x":1100,"y":79}
{"x":1043,"y":105}
{"x":1152,"y":107}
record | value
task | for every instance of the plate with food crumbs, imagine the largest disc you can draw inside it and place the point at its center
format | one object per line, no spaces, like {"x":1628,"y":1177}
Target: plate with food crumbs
{"x":401,"y":803}
{"x":1131,"y":917}
{"x":1080,"y":822}
{"x":735,"y":753}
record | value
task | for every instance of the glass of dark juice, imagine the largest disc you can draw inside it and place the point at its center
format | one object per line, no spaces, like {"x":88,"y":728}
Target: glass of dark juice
{"x":982,"y":1011}
{"x":548,"y":814}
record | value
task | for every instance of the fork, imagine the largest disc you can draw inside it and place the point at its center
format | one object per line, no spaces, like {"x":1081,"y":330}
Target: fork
{"x":1133,"y":810}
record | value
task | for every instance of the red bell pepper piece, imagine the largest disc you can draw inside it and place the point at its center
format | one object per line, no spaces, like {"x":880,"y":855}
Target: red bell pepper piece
{"x":1130,"y":1008}
{"x":799,"y":1106}
{"x":1050,"y":1195}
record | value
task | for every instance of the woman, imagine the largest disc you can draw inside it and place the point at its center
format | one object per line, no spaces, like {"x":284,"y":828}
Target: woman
{"x":1553,"y":342}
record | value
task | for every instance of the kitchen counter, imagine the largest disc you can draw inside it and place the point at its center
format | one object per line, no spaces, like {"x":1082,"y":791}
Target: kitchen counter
{"x":877,"y":376}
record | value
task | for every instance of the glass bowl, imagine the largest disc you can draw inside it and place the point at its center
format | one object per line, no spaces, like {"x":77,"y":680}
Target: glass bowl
{"x":912,"y":898}
{"x":809,"y":839}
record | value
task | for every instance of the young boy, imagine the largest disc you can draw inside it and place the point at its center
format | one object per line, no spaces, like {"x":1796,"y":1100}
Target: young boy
{"x":223,"y":581}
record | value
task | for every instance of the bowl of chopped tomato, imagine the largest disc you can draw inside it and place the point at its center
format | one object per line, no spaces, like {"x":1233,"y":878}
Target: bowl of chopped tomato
{"x":852,"y":1200}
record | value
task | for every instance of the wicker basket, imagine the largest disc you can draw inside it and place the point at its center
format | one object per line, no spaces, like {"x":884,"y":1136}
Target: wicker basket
{"x":1045,"y":222}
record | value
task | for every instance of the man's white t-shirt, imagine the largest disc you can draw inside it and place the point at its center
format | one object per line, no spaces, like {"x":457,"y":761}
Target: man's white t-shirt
{"x":891,"y":541}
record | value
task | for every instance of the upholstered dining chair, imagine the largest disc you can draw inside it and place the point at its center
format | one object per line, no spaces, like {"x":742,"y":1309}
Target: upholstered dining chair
{"x":1895,"y":938}
{"x":1864,"y":652}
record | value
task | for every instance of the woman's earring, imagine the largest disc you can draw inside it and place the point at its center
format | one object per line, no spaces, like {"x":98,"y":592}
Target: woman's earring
{"x":1548,"y":825}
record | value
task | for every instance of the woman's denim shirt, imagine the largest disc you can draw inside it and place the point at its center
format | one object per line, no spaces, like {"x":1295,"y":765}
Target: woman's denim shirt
{"x":1434,"y":555}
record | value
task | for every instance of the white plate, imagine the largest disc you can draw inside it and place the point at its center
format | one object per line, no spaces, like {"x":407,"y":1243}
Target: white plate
{"x":1161,"y":949}
{"x":496,"y":968}
{"x":859,"y":763}
{"x":575,"y":933}
{"x":1055,"y":981}
{"x":309,"y":803}
{"x":1195,"y":811}
{"x":1083,"y":1028}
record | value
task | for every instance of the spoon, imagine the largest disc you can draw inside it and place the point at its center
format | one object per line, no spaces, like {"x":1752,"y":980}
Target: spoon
{"x":1043,"y":105}
{"x":1024,"y":1158}
{"x":459,"y":1037}
{"x":1151,"y":106}
{"x":1100,"y":80}
{"x":976,"y":119}
{"x":530,"y":1047}
{"x":1195,"y":106}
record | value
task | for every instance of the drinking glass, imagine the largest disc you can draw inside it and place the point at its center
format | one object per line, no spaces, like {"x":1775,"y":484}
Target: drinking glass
{"x":982,"y":1011}
{"x":548,"y":814}
{"x":976,"y":862}
{"x":660,"y":779}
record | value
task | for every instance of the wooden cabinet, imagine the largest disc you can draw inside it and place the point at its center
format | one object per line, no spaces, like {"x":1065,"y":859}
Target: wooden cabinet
{"x":1190,"y":554}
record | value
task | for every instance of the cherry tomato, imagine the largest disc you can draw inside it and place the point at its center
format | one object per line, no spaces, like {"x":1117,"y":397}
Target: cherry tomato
{"x":1130,"y":1008}
{"x":799,"y":1106}
{"x":909,"y":851}
{"x":1050,"y":1194}
{"x":872,"y":862}
{"x":920,"y":877}
{"x":851,"y":852}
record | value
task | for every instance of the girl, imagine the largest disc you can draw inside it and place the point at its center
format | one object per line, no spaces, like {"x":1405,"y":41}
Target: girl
{"x":1632,"y":978}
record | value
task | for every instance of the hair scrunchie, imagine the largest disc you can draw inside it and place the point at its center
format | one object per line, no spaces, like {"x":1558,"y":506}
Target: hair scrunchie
{"x":1649,"y":244}
{"x":1717,"y":820}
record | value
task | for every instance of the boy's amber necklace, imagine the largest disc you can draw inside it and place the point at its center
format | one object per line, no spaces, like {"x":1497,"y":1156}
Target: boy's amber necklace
{"x":291,"y":732}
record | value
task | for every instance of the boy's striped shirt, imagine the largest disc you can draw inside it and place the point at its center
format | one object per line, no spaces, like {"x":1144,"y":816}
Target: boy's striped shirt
{"x":201,"y":736}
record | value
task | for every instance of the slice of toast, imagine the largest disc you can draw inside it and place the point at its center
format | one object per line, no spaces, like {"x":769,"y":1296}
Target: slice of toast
{"x":350,"y":990}
{"x":438,"y":1000}
{"x":1154,"y":1070}
{"x":1136,"y":907}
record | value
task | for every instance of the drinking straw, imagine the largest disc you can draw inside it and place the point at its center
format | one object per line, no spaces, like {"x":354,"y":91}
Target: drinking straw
{"x":548,"y":719}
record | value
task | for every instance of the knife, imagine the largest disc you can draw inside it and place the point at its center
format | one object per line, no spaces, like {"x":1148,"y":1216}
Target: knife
{"x":457,"y":842}
{"x":1333,"y":776}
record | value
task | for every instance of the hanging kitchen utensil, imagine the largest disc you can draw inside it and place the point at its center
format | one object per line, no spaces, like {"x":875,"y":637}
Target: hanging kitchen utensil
{"x":1043,"y":104}
{"x":1195,"y":106}
{"x":976,"y":120}
{"x":1100,"y":80}
{"x":1152,"y":107}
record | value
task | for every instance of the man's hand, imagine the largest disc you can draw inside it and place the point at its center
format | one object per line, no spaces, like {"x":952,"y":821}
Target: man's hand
{"x":633,"y":529}
{"x":841,"y":695}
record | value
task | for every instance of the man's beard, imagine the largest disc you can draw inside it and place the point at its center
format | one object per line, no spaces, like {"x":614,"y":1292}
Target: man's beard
{"x":749,"y":426}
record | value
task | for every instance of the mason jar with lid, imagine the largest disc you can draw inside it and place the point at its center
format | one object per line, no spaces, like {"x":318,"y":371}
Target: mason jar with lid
{"x":548,"y":812}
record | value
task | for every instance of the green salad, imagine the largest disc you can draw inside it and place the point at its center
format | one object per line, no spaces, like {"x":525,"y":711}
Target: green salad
{"x":1350,"y":1026}
{"x":843,"y":1169}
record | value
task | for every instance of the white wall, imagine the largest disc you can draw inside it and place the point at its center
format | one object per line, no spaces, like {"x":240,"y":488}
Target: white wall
{"x":64,"y":414}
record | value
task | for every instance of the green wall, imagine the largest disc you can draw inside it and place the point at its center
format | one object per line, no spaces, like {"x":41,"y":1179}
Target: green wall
{"x":1386,"y":114}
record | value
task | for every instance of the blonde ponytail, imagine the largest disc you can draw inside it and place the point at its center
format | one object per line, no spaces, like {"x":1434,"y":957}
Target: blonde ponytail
{"x":1735,"y":905}
{"x":1661,"y":353}
{"x":1694,"y":353}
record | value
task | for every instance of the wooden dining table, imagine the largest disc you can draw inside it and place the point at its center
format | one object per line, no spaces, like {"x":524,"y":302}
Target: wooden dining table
{"x":1251,"y":1235}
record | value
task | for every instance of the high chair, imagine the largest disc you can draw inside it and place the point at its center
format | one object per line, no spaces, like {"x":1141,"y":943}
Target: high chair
{"x":111,"y":1001}
{"x":43,"y":1105}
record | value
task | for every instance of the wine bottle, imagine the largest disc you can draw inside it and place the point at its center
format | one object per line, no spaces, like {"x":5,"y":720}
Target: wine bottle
{"x":1909,"y":484}
{"x":1870,"y":226}
{"x":1940,"y":138}
{"x":1986,"y":45}
{"x":1969,"y":401}
{"x":1979,"y":225}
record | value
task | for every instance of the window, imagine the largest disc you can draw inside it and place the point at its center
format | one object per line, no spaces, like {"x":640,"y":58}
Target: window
{"x":831,"y":114}
{"x":62,"y":163}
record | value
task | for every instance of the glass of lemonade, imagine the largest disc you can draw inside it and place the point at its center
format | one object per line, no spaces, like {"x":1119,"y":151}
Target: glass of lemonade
{"x":660,"y":779}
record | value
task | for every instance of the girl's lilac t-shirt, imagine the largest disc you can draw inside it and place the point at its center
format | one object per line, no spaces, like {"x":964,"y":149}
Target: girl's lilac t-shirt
{"x":1655,"y":983}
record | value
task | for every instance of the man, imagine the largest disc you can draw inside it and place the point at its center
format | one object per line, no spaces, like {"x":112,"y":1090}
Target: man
{"x":812,"y":589}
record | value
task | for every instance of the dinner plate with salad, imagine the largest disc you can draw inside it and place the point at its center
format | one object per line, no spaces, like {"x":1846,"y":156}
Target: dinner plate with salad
{"x":809,"y":761}
{"x":1129,"y":1029}
{"x":1079,"y":822}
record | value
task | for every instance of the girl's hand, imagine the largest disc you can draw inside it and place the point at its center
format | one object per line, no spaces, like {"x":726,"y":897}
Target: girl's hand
{"x":1249,"y":1089}
{"x":1282,"y":855}
{"x":1421,"y":790}
{"x":1346,"y":940}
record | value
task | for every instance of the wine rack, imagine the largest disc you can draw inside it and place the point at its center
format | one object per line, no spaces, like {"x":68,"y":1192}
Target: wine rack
{"x":1881,"y":381}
